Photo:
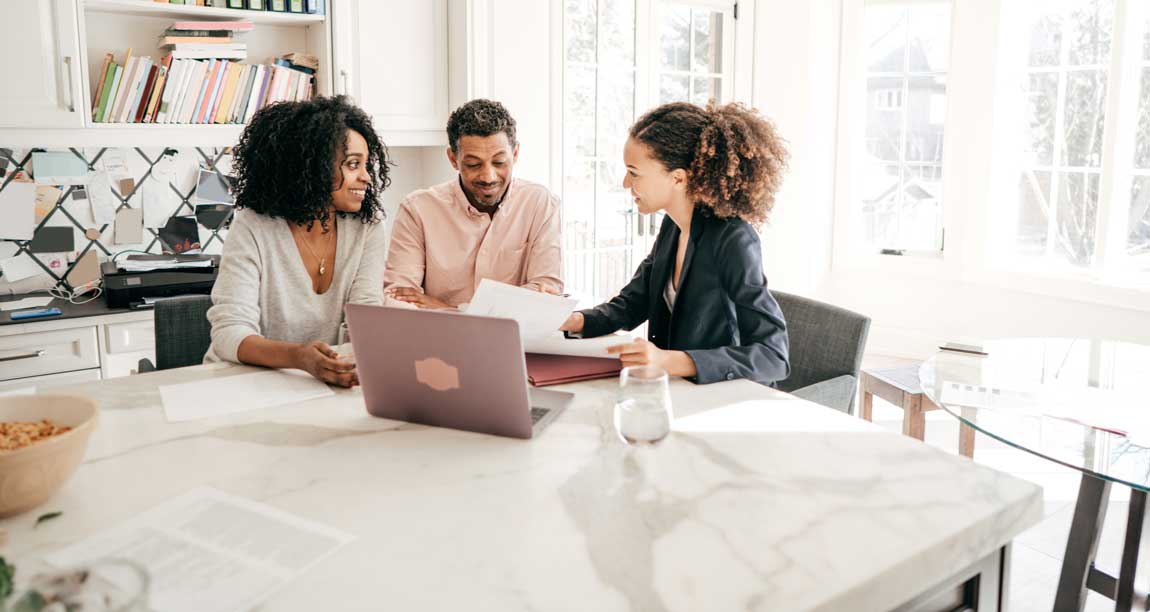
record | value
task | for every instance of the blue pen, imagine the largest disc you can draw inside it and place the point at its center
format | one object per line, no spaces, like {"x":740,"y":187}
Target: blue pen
{"x":35,"y":314}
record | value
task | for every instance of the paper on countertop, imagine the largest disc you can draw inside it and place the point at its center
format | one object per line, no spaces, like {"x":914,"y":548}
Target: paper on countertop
{"x":29,"y":302}
{"x":17,"y":211}
{"x":19,"y":268}
{"x":556,"y":344}
{"x":59,"y":168}
{"x":209,"y":551}
{"x":538,"y":314}
{"x":239,"y":393}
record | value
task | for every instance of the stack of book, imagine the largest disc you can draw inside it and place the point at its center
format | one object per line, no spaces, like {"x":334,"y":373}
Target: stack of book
{"x":206,"y":39}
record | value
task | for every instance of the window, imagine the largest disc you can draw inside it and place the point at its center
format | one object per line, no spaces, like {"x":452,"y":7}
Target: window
{"x":899,"y":180}
{"x":609,"y":79}
{"x":1138,"y":217}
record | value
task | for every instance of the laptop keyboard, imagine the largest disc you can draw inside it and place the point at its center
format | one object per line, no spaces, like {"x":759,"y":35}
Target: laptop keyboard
{"x":538,"y":413}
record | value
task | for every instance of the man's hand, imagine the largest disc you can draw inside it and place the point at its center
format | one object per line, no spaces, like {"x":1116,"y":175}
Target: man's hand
{"x":641,"y":352}
{"x":417,"y":297}
{"x":574,"y":323}
{"x":322,"y":362}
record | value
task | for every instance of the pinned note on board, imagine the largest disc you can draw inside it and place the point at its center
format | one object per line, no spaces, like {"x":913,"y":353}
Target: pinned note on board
{"x":17,"y":211}
{"x":59,"y":168}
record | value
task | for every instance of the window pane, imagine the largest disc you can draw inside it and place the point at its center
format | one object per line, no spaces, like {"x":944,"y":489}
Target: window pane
{"x":1085,"y":113}
{"x":1091,"y":23}
{"x":881,"y":200}
{"x":708,"y":32}
{"x":675,"y":38}
{"x":1077,"y":213}
{"x":926,"y":114}
{"x":617,"y":32}
{"x":929,"y":27}
{"x":919,"y":220}
{"x":579,"y":23}
{"x":1041,"y":100}
{"x":885,"y":31}
{"x":615,"y":269}
{"x":1034,"y":198}
{"x":1138,"y":240}
{"x":1046,"y":39}
{"x":579,"y":205}
{"x":704,"y":90}
{"x":612,"y":203}
{"x":673,"y":88}
{"x":884,"y":119}
{"x":1142,"y":140}
{"x":579,"y":111}
{"x":616,"y":111}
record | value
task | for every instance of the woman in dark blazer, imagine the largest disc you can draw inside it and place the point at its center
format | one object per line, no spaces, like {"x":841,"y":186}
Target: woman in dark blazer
{"x":714,"y":171}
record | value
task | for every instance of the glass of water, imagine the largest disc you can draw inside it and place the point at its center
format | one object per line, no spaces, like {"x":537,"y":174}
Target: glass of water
{"x":643,"y":408}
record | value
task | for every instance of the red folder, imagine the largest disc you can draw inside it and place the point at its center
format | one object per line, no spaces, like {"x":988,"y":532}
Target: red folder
{"x":544,"y":370}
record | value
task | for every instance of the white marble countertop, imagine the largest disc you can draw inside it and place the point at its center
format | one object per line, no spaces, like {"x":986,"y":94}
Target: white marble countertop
{"x":758,"y":501}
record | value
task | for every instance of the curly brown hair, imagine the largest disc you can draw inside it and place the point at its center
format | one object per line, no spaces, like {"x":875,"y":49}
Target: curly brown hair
{"x":733,"y":156}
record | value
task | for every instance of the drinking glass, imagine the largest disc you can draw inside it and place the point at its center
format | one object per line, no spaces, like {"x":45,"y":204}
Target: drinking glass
{"x":643,"y":407}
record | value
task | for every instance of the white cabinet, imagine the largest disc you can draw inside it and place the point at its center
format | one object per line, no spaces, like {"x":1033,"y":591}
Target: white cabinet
{"x":42,"y":66}
{"x":63,"y":351}
{"x":391,"y":57}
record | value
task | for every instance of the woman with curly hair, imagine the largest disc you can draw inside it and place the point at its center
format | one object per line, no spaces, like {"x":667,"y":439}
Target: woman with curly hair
{"x":307,"y":240}
{"x":714,"y":172}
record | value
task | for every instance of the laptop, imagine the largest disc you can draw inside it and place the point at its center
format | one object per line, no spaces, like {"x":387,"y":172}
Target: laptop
{"x":448,"y":369}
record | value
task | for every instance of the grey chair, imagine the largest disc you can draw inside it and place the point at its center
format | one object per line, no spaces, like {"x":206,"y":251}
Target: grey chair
{"x":826,"y":350}
{"x":183,"y":333}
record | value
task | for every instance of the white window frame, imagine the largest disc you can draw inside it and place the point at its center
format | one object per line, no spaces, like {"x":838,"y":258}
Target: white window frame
{"x":981,"y":121}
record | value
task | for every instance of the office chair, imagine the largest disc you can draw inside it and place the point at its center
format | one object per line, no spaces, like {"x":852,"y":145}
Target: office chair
{"x":183,"y":333}
{"x":826,"y":350}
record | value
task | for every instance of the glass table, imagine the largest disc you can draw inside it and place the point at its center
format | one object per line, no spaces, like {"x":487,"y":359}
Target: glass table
{"x":1082,"y":403}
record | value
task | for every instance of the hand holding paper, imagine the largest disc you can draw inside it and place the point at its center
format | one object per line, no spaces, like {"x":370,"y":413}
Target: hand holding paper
{"x":538,"y":314}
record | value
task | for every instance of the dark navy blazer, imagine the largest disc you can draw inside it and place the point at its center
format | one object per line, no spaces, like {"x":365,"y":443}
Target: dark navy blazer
{"x":724,"y":317}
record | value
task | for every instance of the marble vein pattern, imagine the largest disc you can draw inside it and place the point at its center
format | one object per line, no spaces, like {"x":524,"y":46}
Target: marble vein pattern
{"x":757,"y":501}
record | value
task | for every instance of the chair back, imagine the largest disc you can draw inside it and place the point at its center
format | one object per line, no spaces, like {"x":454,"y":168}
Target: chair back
{"x":825,"y":341}
{"x":183,"y":333}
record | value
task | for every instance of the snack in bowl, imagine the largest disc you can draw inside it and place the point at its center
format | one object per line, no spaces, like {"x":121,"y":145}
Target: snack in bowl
{"x":43,"y":456}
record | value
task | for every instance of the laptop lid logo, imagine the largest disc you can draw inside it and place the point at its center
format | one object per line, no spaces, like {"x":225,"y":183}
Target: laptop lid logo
{"x":437,"y":374}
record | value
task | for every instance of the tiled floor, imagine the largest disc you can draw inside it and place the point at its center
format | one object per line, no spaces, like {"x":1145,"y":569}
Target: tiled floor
{"x":1037,"y":553}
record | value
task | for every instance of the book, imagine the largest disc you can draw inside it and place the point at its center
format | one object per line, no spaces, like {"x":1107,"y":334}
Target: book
{"x":110,"y":86}
{"x":256,"y":5}
{"x":302,"y":60}
{"x":100,"y":83}
{"x":137,"y":115}
{"x":223,"y":53}
{"x":295,"y":6}
{"x":242,"y":92}
{"x":168,"y":41}
{"x":227,"y":92}
{"x":157,"y":91}
{"x":213,"y":97}
{"x":141,"y":77}
{"x":210,"y":70}
{"x":121,"y":91}
{"x":544,"y":370}
{"x":180,"y":96}
{"x":199,"y":35}
{"x":235,"y":26}
{"x":259,"y":89}
{"x":172,"y":83}
{"x":279,"y":6}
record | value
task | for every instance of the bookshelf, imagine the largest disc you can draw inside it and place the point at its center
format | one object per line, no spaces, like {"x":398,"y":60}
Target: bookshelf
{"x":183,"y":11}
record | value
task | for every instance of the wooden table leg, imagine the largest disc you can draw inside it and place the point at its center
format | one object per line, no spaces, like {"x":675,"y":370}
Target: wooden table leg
{"x":866,"y":405}
{"x":1132,"y":588}
{"x":913,"y":419}
{"x":966,"y":440}
{"x":1082,"y":543}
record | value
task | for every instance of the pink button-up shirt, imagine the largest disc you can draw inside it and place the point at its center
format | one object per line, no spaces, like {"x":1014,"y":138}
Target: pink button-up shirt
{"x":444,"y":246}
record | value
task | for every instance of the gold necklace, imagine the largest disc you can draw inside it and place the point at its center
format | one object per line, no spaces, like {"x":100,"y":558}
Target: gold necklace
{"x":322,"y":261}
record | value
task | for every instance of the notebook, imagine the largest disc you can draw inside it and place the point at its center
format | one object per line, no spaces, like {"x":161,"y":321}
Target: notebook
{"x":544,"y":370}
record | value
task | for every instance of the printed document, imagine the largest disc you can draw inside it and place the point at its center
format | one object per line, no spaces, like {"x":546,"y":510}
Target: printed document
{"x":538,"y":314}
{"x":208,"y":551}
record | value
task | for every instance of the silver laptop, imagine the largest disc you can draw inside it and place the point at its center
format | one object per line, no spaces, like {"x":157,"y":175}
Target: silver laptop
{"x":449,"y":370}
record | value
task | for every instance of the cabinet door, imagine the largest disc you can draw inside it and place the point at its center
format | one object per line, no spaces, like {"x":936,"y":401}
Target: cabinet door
{"x":391,"y":56}
{"x":39,"y":41}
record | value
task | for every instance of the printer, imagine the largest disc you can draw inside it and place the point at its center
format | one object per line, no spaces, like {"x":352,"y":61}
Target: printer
{"x":128,"y":281}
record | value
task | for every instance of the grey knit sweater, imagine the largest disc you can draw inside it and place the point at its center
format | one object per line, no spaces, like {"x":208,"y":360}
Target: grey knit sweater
{"x":263,"y":288}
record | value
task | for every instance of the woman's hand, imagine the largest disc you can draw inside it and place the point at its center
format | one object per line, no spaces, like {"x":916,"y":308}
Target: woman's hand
{"x":322,"y":362}
{"x":641,"y":352}
{"x":574,"y":323}
{"x":417,"y":297}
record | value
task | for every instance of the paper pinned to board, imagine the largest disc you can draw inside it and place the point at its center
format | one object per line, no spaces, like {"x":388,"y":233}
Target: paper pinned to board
{"x":538,"y":314}
{"x":19,"y":268}
{"x":239,"y":393}
{"x":101,"y":199}
{"x":159,"y":201}
{"x":244,"y":549}
{"x":59,"y":168}
{"x":17,"y":211}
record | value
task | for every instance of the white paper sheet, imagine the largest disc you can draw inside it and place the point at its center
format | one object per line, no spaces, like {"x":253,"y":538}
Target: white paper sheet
{"x":17,"y":211}
{"x":115,"y":163}
{"x":159,"y":201}
{"x":240,"y":393}
{"x":19,"y":267}
{"x":59,"y":168}
{"x":19,"y":391}
{"x":208,"y":551}
{"x":538,"y":314}
{"x":29,"y":302}
{"x":100,"y":197}
{"x":556,"y":344}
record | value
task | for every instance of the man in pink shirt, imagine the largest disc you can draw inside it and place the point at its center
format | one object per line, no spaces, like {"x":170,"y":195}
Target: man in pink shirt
{"x":481,"y":224}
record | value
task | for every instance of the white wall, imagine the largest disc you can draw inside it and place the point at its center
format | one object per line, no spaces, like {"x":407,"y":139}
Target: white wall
{"x":795,"y":84}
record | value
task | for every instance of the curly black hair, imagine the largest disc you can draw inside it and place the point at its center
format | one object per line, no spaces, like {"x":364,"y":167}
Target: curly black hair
{"x":734,"y":157}
{"x":479,"y":117}
{"x":285,"y":163}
